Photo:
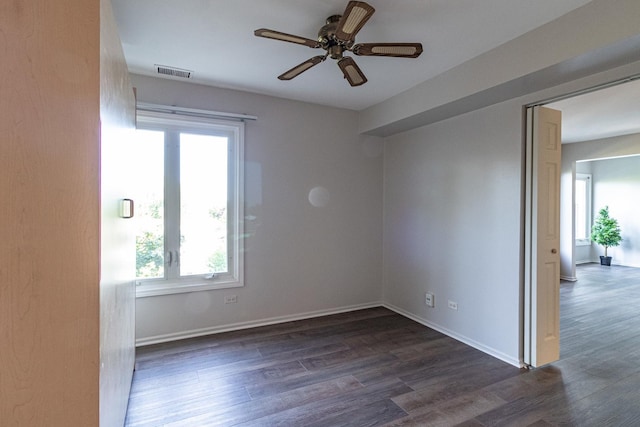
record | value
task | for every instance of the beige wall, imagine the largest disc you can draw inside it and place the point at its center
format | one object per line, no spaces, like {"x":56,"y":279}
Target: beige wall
{"x":49,"y":214}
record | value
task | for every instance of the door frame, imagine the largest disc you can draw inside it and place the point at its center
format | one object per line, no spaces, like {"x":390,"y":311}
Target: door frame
{"x":528,"y":217}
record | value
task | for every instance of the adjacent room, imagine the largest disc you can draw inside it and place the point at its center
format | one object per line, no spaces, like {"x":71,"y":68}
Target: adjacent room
{"x":319,"y":213}
{"x":600,"y":165}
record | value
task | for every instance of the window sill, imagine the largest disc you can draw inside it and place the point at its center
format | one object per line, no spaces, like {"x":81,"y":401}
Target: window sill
{"x":146,"y":289}
{"x":583,"y":242}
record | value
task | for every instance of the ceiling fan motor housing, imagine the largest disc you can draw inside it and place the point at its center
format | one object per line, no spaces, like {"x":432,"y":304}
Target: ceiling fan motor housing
{"x":329,"y":41}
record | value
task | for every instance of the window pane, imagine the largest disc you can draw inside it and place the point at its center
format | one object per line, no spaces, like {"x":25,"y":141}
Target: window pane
{"x":203,"y":204}
{"x":148,"y":193}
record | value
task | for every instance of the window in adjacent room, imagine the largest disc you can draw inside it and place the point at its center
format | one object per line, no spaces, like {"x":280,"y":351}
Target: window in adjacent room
{"x":188,"y":195}
{"x":583,"y":209}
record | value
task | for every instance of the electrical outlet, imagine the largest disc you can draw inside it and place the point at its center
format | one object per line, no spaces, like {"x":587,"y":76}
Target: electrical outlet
{"x":429,"y":299}
{"x":453,"y":305}
{"x":231,"y":299}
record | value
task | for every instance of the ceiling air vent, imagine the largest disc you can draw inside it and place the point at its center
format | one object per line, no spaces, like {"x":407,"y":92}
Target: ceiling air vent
{"x":173,"y":72}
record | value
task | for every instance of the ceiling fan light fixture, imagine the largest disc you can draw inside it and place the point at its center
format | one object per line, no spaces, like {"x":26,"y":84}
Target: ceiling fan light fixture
{"x":335,"y":52}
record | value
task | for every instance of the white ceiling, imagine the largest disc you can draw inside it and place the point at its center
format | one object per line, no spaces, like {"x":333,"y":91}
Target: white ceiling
{"x":214,"y":39}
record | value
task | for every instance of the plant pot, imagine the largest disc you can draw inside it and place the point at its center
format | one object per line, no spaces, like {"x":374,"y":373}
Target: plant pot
{"x":605,"y":260}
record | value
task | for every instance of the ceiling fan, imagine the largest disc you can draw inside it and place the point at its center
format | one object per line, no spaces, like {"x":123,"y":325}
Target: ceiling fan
{"x":336,"y":37}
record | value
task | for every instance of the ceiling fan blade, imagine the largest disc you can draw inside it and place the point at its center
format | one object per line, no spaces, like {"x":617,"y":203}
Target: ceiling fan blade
{"x":351,"y":71}
{"x":398,"y":50}
{"x":277,"y":35}
{"x":301,"y":68}
{"x":353,"y":19}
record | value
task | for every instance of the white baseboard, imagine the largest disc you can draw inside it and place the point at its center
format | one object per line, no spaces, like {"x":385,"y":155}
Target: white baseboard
{"x":569,"y":278}
{"x":251,"y":324}
{"x":308,"y":315}
{"x":483,"y":348}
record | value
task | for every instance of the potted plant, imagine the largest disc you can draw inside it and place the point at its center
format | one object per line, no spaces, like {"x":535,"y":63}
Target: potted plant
{"x":606,"y":232}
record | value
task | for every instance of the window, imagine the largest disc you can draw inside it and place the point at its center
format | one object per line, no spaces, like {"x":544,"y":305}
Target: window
{"x":583,"y":209}
{"x":188,"y":194}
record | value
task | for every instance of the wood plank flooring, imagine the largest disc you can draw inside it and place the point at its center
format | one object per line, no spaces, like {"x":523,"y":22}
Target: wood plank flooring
{"x":374,"y":367}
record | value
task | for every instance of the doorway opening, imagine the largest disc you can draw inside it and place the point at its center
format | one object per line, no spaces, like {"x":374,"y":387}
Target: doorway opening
{"x":541,"y":297}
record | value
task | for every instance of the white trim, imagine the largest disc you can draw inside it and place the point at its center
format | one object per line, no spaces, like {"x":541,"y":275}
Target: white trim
{"x":250,"y":324}
{"x":587,"y":178}
{"x":157,"y":339}
{"x":585,"y":91}
{"x":465,"y":340}
{"x":155,"y":288}
{"x":529,"y":253}
{"x":172,"y":121}
{"x":194,"y":112}
{"x":569,"y":278}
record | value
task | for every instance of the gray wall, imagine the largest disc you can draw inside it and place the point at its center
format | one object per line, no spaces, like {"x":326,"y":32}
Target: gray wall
{"x":616,"y":183}
{"x":453,"y":225}
{"x":453,"y":222}
{"x":300,"y":260}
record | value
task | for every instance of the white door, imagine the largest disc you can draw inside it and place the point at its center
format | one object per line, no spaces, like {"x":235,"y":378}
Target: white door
{"x":542,"y":237}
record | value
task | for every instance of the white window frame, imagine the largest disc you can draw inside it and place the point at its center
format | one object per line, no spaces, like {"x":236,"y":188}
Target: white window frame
{"x":234,"y":130}
{"x":588,"y":179}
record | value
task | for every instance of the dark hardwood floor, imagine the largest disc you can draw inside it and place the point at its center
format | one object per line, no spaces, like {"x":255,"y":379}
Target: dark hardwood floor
{"x":374,"y":367}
